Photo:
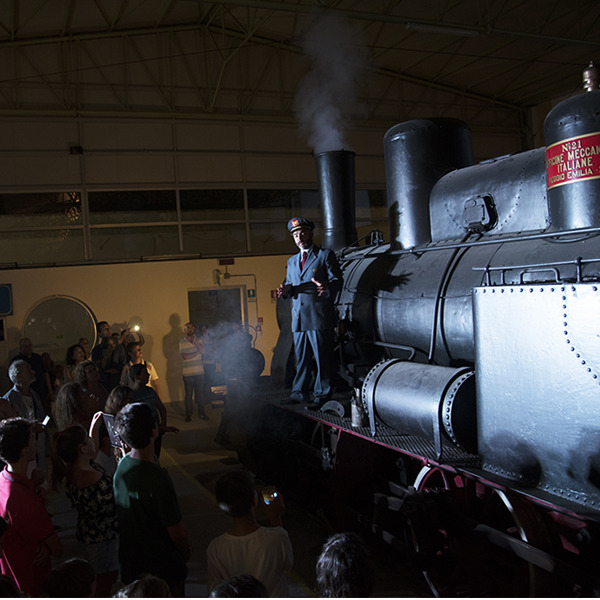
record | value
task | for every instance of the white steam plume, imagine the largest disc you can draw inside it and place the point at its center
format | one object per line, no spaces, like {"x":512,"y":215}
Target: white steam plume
{"x":328,"y":93}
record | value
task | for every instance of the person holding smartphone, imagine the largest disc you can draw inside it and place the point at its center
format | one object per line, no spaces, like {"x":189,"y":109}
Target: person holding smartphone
{"x":90,"y":490}
{"x":248,"y":547}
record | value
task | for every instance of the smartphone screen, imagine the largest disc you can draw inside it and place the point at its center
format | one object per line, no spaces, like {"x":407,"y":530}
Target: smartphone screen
{"x":269,"y":494}
{"x":109,"y":421}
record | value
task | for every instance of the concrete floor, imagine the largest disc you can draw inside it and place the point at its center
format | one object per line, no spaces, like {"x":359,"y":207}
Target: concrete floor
{"x":195,"y":462}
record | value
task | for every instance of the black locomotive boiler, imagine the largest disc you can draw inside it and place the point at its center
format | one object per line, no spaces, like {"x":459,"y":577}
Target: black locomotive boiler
{"x":472,"y":342}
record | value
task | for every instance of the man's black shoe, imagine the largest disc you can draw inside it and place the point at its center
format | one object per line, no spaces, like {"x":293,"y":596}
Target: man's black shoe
{"x":313,"y":406}
{"x":203,"y":416}
{"x":295,"y":398}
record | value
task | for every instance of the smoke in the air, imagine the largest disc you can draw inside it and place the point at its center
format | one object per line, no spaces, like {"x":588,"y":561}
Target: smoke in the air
{"x":328,"y":94}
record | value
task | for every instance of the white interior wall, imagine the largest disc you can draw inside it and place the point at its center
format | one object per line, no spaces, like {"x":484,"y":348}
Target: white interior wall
{"x":156,"y":291}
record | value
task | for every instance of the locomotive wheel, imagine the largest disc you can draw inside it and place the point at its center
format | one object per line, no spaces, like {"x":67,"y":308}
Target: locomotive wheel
{"x":466,"y":563}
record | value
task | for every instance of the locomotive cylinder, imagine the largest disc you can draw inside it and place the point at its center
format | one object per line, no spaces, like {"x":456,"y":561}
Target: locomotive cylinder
{"x":417,"y":153}
{"x":424,"y":400}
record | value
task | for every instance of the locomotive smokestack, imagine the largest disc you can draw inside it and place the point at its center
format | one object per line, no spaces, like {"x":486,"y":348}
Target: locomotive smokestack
{"x":335,"y":172}
{"x":417,"y":153}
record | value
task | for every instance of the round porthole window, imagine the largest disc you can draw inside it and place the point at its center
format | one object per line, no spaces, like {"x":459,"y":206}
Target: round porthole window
{"x":56,"y":323}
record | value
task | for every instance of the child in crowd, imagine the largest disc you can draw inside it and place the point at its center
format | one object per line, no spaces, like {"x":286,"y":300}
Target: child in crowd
{"x":240,"y":586}
{"x":136,"y":356}
{"x":153,"y":536}
{"x":249,"y":548}
{"x":117,"y":399}
{"x":30,"y":539}
{"x":108,"y":454}
{"x":139,"y":376}
{"x":74,"y":578}
{"x":90,"y":490}
{"x":148,"y":586}
{"x":343,"y":569}
{"x":75,"y":355}
{"x":105,"y":457}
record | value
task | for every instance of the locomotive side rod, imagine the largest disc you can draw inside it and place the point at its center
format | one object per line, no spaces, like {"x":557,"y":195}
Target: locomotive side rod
{"x":537,"y":557}
{"x":538,"y":542}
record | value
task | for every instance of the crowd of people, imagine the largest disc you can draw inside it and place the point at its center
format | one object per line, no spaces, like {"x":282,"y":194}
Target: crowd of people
{"x":64,"y":421}
{"x":102,"y":446}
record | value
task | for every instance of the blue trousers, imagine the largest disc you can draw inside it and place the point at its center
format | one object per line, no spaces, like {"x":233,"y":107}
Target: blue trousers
{"x":193,"y":385}
{"x":317,"y":344}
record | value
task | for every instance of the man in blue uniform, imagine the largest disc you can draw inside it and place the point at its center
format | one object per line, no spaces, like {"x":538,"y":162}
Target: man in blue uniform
{"x":313,"y":279}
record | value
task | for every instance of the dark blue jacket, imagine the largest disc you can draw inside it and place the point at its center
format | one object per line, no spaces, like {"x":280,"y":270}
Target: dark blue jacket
{"x":310,"y":311}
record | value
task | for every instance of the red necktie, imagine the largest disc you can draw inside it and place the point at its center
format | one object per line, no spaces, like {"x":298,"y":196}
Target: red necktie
{"x":303,"y":261}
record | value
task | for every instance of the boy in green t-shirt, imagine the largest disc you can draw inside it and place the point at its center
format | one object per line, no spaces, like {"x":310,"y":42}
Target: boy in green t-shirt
{"x":153,"y":536}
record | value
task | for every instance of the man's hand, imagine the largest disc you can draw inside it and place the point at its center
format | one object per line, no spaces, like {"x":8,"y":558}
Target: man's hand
{"x":38,"y":427}
{"x":284,"y":289}
{"x":320,"y":286}
{"x":38,"y":476}
{"x":275,"y":510}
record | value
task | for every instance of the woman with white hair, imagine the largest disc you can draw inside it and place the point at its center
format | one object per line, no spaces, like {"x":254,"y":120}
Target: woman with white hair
{"x":25,"y":401}
{"x":21,"y":395}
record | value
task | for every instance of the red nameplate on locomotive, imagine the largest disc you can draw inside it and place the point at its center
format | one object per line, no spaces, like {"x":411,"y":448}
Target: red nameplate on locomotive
{"x":574,"y":159}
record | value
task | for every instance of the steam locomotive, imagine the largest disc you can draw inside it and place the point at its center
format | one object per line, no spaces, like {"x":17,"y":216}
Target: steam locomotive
{"x":472,"y":343}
